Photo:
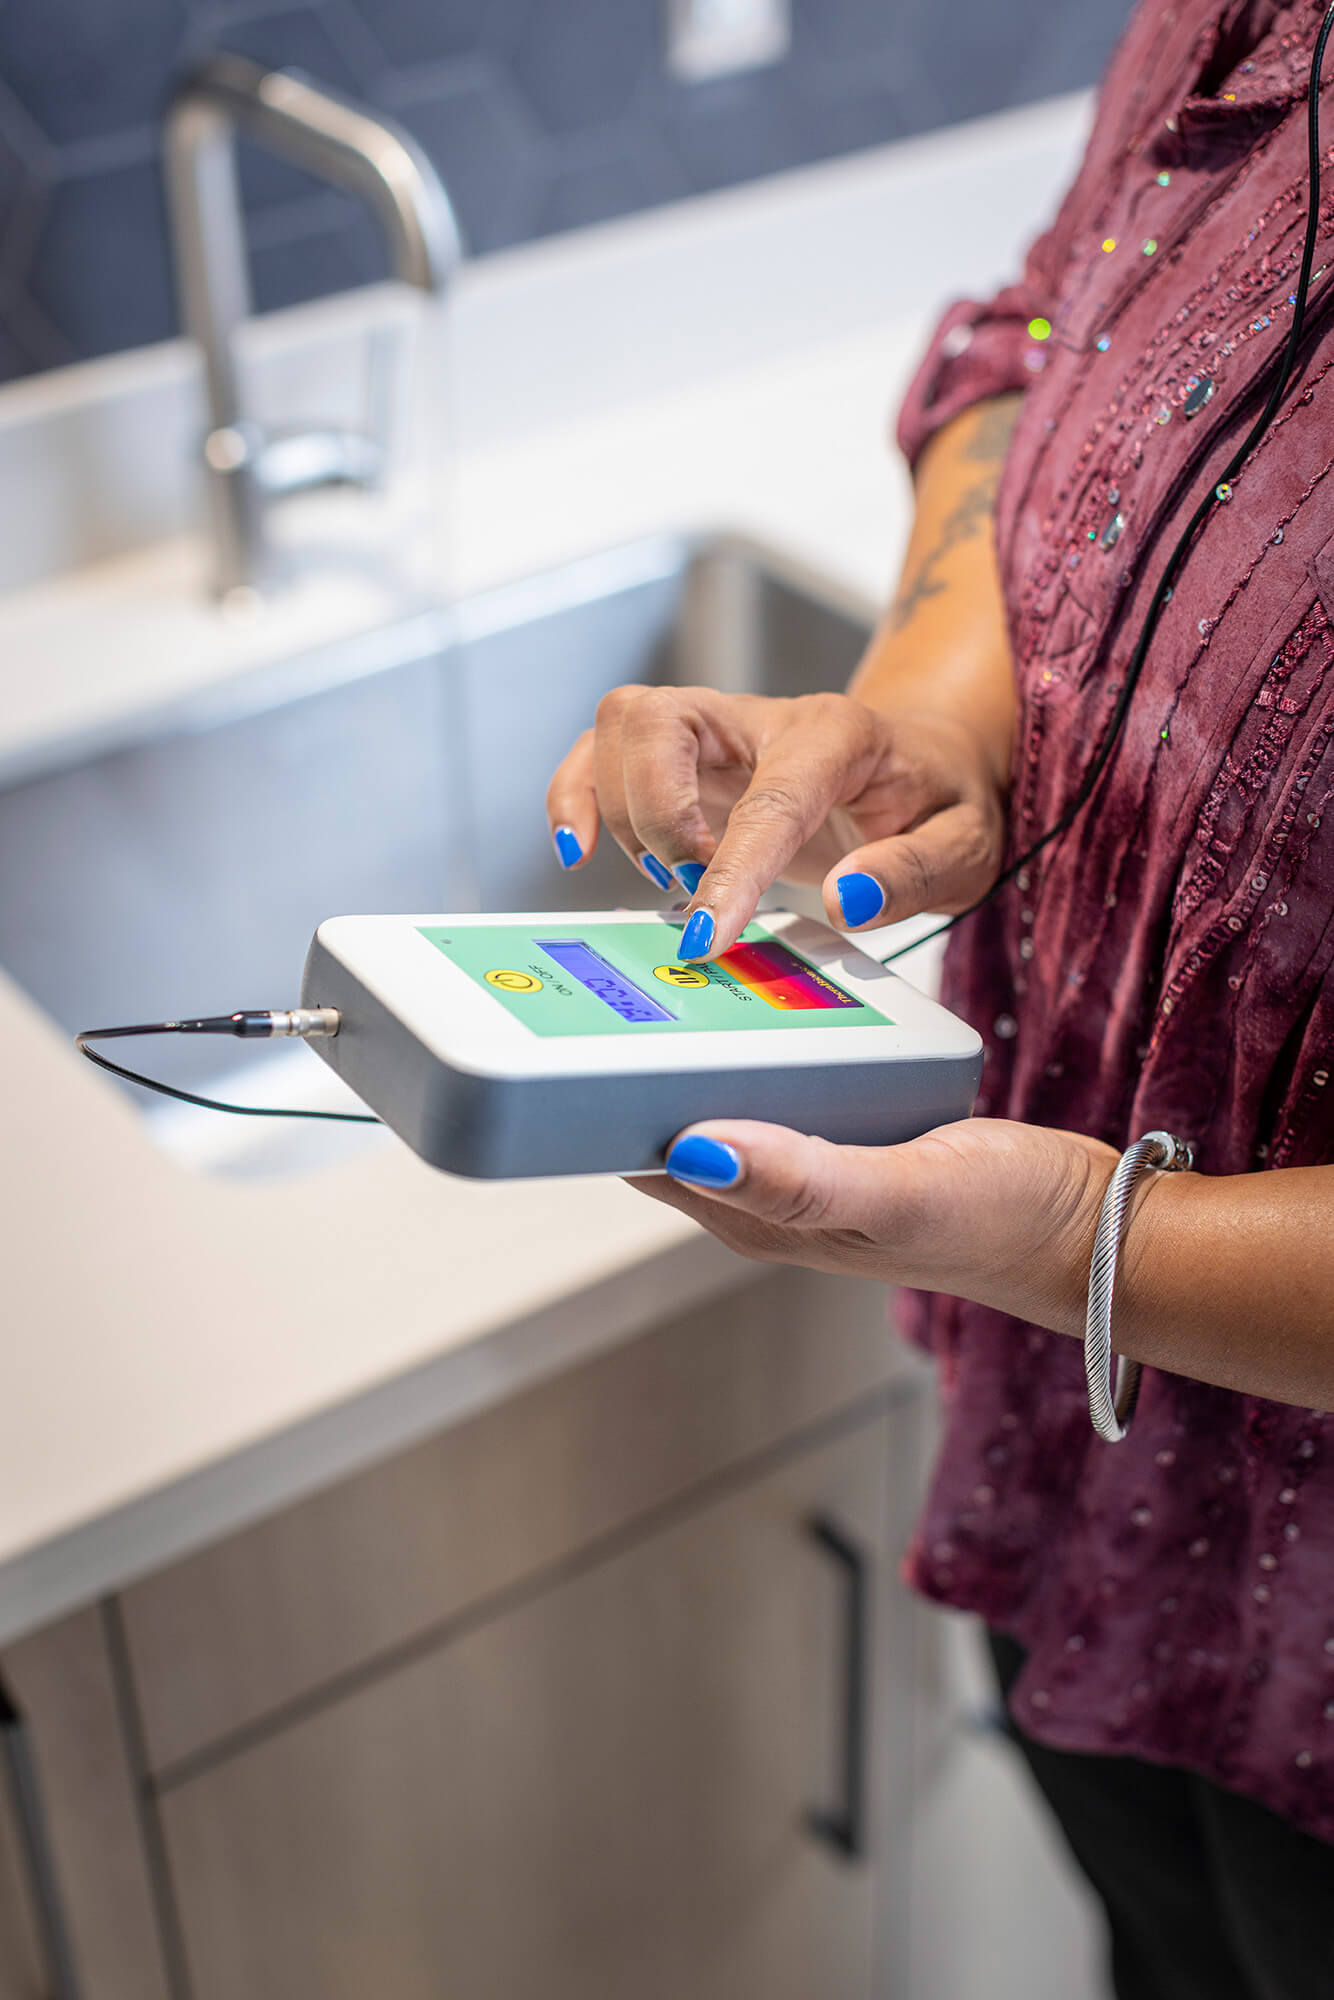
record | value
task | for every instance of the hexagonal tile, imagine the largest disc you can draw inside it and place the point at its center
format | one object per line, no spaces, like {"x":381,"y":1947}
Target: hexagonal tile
{"x":844,"y":28}
{"x":973,"y":55}
{"x":580,"y":64}
{"x":30,"y":332}
{"x":16,"y":185}
{"x":484,"y":153}
{"x":626,"y":178}
{"x":84,"y":71}
{"x":1072,"y":52}
{"x":15,"y":360}
{"x":341,"y":247}
{"x":422,"y":31}
{"x":735,"y":128}
{"x":827,"y":123}
{"x":99,"y":269}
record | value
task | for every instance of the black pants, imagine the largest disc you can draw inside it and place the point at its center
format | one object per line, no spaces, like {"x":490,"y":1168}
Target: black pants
{"x":1208,"y":1895}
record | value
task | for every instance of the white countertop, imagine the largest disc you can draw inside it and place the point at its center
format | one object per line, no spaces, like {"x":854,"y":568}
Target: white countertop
{"x":185,"y":1353}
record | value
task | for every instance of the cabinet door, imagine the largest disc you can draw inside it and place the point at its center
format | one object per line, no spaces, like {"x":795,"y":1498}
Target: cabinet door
{"x":20,"y":1969}
{"x":600,"y":1795}
{"x":64,"y":1682}
{"x":271,"y":1616}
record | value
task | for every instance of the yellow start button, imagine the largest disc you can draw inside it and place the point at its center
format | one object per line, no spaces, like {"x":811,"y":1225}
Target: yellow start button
{"x":681,"y":975}
{"x":514,"y":982}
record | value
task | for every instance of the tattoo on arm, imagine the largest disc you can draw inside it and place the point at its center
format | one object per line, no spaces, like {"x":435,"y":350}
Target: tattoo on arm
{"x":989,"y":439}
{"x":986,"y":444}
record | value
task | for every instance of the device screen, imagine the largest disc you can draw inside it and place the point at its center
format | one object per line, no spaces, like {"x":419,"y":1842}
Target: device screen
{"x":600,"y":976}
{"x":625,"y":979}
{"x":778,"y":976}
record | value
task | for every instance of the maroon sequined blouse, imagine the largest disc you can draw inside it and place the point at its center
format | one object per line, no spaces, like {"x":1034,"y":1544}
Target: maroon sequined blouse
{"x":1168,"y":963}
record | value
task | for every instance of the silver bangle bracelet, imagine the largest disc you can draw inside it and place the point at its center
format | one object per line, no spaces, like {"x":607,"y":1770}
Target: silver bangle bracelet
{"x":1112,"y":1401}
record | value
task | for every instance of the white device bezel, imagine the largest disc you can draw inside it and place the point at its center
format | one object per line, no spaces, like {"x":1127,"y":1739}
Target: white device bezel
{"x":476,"y":1033}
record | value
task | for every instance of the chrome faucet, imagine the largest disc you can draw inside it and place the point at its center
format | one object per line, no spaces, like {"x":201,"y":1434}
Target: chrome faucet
{"x":246,"y":467}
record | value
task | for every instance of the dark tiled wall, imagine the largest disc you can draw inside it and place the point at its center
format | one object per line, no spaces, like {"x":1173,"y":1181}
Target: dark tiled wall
{"x":541,"y":115}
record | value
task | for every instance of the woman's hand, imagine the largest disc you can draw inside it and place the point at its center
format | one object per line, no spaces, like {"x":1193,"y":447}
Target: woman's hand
{"x":986,"y":1209}
{"x":893,"y":812}
{"x":890,"y":795}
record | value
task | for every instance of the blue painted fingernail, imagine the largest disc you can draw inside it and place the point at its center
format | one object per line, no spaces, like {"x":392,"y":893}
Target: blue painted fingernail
{"x":690,"y":874}
{"x":697,"y":937}
{"x":860,"y":898}
{"x":568,"y":850}
{"x":702,"y":1162}
{"x":653,"y":868}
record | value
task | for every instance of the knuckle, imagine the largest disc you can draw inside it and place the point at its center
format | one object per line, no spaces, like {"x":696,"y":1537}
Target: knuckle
{"x":655,"y":706}
{"x":980,"y":848}
{"x":675,"y":827}
{"x":771,"y":801}
{"x":806,"y":1202}
{"x":978,"y":823}
{"x":612,"y":708}
{"x":916,"y":875}
{"x":823,"y":705}
{"x":837,"y":717}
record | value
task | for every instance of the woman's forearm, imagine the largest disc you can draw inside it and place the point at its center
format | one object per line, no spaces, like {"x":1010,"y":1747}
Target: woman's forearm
{"x":942,"y":646}
{"x":1224,"y":1278}
{"x":1231,"y":1280}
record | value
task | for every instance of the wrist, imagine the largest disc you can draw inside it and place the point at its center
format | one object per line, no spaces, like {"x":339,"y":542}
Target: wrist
{"x":1032,"y":1261}
{"x":971,"y":695}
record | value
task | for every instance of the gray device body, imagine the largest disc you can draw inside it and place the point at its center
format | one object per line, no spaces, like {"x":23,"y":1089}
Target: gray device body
{"x":486,"y":1127}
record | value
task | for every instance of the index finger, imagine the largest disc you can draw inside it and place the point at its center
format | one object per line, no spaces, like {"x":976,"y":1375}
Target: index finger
{"x":811,"y":766}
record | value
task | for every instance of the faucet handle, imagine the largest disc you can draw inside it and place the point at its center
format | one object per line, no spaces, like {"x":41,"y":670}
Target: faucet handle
{"x":299,"y":461}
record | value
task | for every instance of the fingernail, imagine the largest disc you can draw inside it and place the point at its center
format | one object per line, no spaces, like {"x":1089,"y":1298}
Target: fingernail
{"x":697,"y":937}
{"x":690,"y":874}
{"x":703,"y":1162}
{"x":568,"y":850}
{"x":654,"y":869}
{"x":860,"y":898}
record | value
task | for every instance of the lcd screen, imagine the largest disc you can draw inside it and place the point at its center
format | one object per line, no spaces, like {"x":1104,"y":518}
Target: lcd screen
{"x":601,"y":977}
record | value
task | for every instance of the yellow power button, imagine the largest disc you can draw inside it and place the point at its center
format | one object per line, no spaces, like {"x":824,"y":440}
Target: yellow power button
{"x":681,"y":975}
{"x":514,"y":982}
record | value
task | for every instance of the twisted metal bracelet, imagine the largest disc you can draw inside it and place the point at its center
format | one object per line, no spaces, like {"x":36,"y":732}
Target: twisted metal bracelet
{"x":1112,"y":1403}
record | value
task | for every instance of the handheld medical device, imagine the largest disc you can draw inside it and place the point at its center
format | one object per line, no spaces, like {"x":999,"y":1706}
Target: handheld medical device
{"x":503,"y":1047}
{"x":562,"y":1056}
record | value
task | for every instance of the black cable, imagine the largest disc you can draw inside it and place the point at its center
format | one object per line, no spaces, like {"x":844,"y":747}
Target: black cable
{"x":248,"y":1026}
{"x":1162,"y":596}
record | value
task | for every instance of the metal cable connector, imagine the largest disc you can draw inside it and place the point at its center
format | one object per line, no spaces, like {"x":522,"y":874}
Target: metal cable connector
{"x":310,"y":1023}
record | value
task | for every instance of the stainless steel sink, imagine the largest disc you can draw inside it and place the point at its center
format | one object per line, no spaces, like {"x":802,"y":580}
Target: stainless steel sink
{"x":182,"y":868}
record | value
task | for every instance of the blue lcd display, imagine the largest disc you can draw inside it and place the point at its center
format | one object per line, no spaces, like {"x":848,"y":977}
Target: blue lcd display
{"x":601,"y":977}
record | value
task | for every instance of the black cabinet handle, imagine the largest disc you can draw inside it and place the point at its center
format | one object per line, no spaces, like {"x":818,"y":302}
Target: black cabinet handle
{"x":845,"y":1829}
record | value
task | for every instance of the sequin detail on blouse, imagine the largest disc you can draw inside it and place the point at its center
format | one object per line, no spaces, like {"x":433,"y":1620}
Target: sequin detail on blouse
{"x":1172,"y":963}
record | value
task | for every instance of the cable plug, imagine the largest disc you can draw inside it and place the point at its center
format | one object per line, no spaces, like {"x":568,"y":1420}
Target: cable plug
{"x":309,"y":1023}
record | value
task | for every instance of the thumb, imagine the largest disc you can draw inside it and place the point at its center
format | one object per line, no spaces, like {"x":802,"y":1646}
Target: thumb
{"x":790,"y":1178}
{"x":944,"y":864}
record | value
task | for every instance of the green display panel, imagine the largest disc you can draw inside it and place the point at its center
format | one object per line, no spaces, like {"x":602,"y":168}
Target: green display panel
{"x":622,"y":979}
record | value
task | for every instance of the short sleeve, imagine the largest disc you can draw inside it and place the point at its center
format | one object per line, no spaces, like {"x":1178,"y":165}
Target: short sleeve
{"x":981,"y":348}
{"x":977,"y":351}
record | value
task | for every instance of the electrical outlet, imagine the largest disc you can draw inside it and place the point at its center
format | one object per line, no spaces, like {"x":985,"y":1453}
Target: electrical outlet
{"x":708,"y":38}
